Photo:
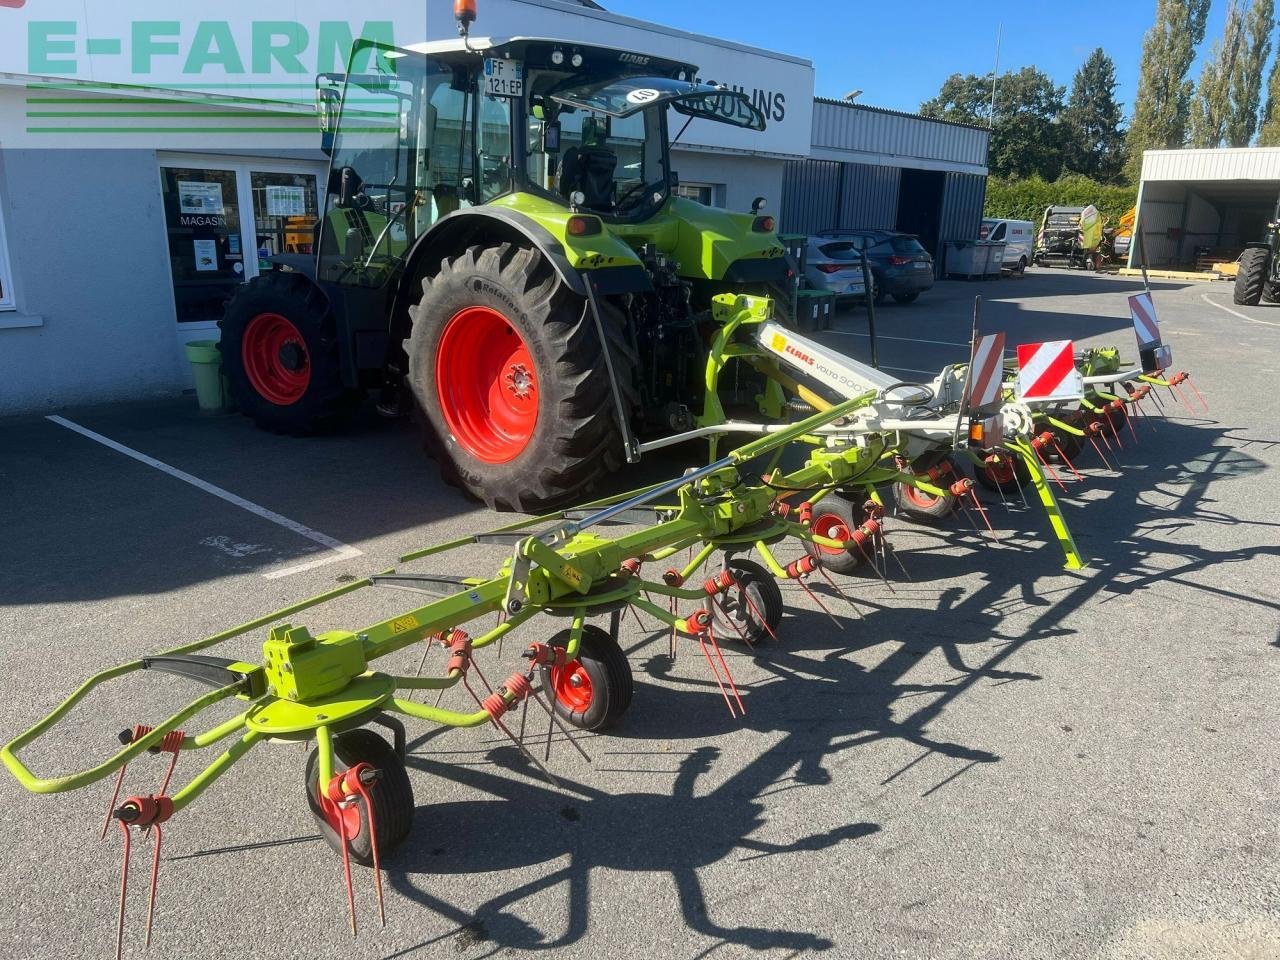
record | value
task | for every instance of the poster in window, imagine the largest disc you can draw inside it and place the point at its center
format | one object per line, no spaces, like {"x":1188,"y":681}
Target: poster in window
{"x":203,"y":198}
{"x":286,"y":201}
{"x":206,"y":255}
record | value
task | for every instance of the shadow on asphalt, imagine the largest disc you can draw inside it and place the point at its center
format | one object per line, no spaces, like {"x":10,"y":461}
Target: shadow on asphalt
{"x":677,"y":832}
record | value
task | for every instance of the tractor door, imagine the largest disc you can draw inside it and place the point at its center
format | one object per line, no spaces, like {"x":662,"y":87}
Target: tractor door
{"x":403,"y":156}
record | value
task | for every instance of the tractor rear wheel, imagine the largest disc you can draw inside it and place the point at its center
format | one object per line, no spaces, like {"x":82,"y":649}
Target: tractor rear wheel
{"x":510,"y":380}
{"x":1252,"y":276}
{"x":280,"y":356}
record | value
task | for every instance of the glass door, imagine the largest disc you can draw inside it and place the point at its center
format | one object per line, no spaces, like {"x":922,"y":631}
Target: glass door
{"x":206,"y":243}
{"x":285,"y":213}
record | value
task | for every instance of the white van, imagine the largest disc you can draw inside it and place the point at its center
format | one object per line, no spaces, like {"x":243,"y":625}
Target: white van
{"x":1019,"y":237}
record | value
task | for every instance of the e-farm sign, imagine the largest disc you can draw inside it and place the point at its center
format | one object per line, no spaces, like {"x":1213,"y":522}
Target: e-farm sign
{"x":159,"y":42}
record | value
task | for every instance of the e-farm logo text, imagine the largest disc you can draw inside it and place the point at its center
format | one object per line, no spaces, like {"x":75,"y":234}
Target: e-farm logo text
{"x":161,"y":52}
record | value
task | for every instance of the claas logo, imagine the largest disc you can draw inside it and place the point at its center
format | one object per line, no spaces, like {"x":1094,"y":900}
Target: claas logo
{"x":779,"y":343}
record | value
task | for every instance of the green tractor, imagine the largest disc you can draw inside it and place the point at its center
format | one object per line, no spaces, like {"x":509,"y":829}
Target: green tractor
{"x":1258,"y":275}
{"x":503,"y":252}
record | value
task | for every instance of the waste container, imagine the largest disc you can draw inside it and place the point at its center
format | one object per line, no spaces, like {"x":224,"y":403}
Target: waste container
{"x":206,"y":365}
{"x":974,"y":259}
{"x":995,"y":257}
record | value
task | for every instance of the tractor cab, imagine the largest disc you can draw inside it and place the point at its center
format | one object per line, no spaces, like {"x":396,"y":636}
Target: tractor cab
{"x":420,"y":133}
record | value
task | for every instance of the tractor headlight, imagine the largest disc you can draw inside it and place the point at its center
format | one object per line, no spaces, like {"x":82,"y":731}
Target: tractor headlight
{"x":557,"y":57}
{"x":576,"y":60}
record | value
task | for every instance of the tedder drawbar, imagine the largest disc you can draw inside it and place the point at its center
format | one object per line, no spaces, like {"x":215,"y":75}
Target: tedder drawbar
{"x":325,"y":687}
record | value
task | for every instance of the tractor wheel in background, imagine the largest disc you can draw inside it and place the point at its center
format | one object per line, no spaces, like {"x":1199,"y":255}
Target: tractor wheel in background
{"x":915,"y":504}
{"x":510,"y":382}
{"x":1008,"y":475}
{"x":734,"y":618}
{"x":1251,"y":277}
{"x":280,"y":356}
{"x":837,"y":517}
{"x":392,"y":796}
{"x":594,"y":689}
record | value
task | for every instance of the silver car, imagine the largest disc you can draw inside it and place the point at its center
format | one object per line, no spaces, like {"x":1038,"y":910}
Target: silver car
{"x":834,"y":266}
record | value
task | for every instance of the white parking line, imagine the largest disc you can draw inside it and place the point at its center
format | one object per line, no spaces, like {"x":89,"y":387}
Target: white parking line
{"x":338,"y":549}
{"x":880,"y":336}
{"x":1237,"y":313}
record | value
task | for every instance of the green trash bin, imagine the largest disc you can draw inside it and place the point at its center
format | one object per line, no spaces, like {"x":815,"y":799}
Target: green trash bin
{"x":206,"y":364}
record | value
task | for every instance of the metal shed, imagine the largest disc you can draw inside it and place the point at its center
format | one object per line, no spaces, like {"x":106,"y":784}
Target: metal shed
{"x":871,"y":167}
{"x":1196,"y":206}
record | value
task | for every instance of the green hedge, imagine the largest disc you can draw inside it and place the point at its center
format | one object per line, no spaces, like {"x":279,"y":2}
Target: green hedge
{"x":1026,"y":199}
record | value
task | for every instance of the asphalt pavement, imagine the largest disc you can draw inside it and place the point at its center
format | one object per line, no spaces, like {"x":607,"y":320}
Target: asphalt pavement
{"x":995,"y":758}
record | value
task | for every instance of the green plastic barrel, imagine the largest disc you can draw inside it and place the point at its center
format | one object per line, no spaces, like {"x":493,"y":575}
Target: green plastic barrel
{"x":206,"y":364}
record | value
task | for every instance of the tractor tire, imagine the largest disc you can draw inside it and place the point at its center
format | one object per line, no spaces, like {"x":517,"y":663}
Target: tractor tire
{"x":510,"y":382}
{"x":837,"y":517}
{"x":392,"y":795}
{"x":592,"y":691}
{"x":280,"y":355}
{"x":1251,"y":278}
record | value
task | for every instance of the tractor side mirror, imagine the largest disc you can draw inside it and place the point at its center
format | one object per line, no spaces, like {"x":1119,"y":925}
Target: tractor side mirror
{"x":757,"y":205}
{"x":348,"y":187}
{"x":551,"y":137}
{"x":675,"y":179}
{"x":328,"y":108}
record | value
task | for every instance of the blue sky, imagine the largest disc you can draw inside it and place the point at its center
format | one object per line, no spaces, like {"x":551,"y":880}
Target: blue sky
{"x":899,"y":53}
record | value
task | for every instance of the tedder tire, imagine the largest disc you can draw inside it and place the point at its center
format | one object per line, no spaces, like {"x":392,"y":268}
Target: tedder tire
{"x":593,"y":690}
{"x":836,"y":517}
{"x":1252,"y":276}
{"x":915,"y":504}
{"x":736,"y":619}
{"x":392,"y":795}
{"x":510,"y":380}
{"x":1010,"y":474}
{"x":280,"y":356}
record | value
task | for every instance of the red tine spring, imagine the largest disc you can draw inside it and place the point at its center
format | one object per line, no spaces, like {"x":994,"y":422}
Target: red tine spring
{"x":459,"y":652}
{"x":805,"y":513}
{"x":719,"y":583}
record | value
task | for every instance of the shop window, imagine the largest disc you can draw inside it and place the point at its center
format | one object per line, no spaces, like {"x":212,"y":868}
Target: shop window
{"x":707,"y":194}
{"x":6,"y":275}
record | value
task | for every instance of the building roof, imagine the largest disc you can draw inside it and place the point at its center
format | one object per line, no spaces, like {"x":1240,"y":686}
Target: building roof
{"x":896,"y":113}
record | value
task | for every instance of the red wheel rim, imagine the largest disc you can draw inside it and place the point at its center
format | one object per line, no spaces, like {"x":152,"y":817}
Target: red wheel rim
{"x":833,"y":527}
{"x":1001,"y":472}
{"x":918,"y":498}
{"x":573,"y":686}
{"x":275,"y":359}
{"x":487,"y":385}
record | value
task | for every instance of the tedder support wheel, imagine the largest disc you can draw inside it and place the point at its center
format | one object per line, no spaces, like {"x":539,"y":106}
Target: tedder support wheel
{"x":593,"y":690}
{"x":392,"y":796}
{"x":280,"y":356}
{"x":1009,"y":474}
{"x":752,"y":609}
{"x":915,"y":504}
{"x":510,"y":380}
{"x":836,"y":517}
{"x":1251,"y":277}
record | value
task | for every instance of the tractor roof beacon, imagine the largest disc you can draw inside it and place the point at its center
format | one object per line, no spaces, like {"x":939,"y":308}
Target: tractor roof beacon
{"x":503,"y":250}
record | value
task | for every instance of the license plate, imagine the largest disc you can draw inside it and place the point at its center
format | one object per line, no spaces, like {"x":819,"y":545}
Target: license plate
{"x":921,"y":266}
{"x":503,"y":78}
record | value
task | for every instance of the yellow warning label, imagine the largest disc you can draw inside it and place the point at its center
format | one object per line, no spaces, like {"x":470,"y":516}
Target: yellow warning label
{"x":401,"y":624}
{"x":571,"y":575}
{"x":779,"y":343}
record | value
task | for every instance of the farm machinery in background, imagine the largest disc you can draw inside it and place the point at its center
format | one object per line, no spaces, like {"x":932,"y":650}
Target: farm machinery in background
{"x":1072,"y":237}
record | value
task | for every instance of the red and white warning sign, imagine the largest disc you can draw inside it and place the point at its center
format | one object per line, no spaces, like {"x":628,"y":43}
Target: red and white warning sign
{"x":986,"y":370}
{"x":1145,"y":325}
{"x":1047,"y":371}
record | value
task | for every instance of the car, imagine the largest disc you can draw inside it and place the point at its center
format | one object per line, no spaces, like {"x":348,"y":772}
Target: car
{"x":900,"y":266}
{"x":834,"y":266}
{"x":1018,"y":237}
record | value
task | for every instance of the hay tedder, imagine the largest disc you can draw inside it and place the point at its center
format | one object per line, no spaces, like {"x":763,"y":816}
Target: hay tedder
{"x":859,"y":433}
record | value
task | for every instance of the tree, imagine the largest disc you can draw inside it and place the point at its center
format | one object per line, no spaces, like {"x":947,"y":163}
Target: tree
{"x":1269,"y":135}
{"x":1164,"y":92}
{"x":1246,"y":79}
{"x":1212,"y":109}
{"x":1025,"y":138}
{"x":1092,"y":141}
